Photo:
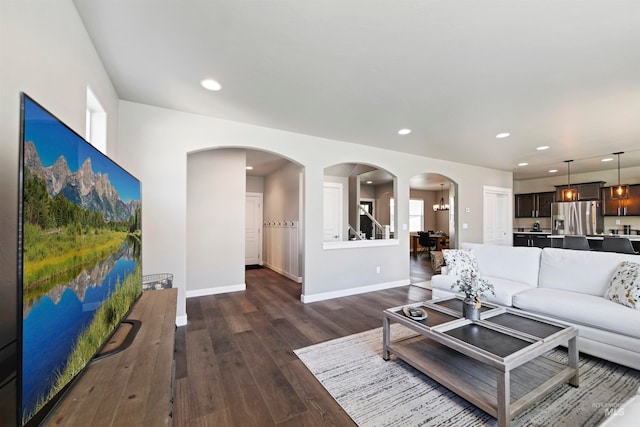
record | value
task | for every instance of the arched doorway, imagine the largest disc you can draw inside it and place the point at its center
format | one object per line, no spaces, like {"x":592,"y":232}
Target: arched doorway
{"x":219,"y":181}
{"x":432,"y":214}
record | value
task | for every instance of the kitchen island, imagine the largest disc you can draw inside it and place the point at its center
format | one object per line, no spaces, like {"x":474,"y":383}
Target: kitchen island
{"x":595,"y":241}
{"x":544,"y":239}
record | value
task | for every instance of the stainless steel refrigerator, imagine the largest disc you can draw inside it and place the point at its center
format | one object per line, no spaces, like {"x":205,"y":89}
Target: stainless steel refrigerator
{"x":576,"y":218}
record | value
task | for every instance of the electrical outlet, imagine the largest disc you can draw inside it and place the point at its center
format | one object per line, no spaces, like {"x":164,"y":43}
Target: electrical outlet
{"x":378,"y":269}
{"x":617,"y":222}
{"x":465,"y":226}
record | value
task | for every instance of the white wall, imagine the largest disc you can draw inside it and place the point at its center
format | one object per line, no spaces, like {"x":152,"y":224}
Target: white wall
{"x":216,"y":187}
{"x":45,"y":52}
{"x":282,"y":194}
{"x":159,"y":139}
{"x":255,"y":184}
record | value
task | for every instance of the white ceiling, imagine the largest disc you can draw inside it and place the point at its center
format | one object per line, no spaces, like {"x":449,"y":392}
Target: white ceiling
{"x":562,"y":73}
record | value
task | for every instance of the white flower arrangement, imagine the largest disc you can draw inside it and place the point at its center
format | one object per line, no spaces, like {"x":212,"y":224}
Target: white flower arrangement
{"x":473,"y":285}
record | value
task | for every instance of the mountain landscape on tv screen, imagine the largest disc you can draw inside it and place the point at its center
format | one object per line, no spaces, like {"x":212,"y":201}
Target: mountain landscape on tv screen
{"x":83,"y":187}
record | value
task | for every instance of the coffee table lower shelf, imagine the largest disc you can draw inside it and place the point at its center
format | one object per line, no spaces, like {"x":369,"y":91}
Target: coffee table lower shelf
{"x":479,"y":383}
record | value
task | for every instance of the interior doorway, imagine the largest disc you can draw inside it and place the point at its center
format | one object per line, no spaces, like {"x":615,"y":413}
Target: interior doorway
{"x":253,"y":229}
{"x":333,"y":211}
{"x":366,"y":225}
{"x":274,"y":233}
{"x":497,"y":216}
{"x":432,"y":200}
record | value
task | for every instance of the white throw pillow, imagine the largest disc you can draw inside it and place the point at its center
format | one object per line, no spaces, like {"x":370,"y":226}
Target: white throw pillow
{"x":625,"y":285}
{"x":458,"y":260}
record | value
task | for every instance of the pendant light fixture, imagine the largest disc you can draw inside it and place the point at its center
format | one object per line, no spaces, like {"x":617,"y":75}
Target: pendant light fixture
{"x":569,"y":194}
{"x":621,"y":191}
{"x":442,"y":206}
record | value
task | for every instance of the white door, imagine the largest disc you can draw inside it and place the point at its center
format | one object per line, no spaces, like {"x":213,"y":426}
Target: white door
{"x":253,"y":229}
{"x":332,"y":211}
{"x":497,"y":216}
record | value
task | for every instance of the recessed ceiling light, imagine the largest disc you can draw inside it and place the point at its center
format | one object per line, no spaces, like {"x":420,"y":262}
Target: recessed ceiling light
{"x":249,"y":168}
{"x":553,"y":170}
{"x":210,"y":84}
{"x":369,"y":182}
{"x":542,"y":148}
{"x":404,"y":131}
{"x":503,"y":135}
{"x":523,"y":164}
{"x":608,"y":159}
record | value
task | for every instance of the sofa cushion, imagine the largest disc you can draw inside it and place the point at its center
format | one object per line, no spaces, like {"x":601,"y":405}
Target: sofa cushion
{"x":504,"y":289}
{"x":519,"y":264}
{"x":587,"y":272}
{"x":625,"y":285}
{"x":458,"y":260}
{"x":581,"y":309}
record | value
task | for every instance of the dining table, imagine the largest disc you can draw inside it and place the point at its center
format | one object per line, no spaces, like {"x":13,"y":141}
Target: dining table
{"x":442,"y":242}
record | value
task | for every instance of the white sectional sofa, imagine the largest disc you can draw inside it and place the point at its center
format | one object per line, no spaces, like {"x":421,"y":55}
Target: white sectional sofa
{"x":563,"y":284}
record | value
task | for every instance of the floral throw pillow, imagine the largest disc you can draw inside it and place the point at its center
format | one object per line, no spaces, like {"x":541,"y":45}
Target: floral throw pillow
{"x":625,"y":285}
{"x":458,"y":260}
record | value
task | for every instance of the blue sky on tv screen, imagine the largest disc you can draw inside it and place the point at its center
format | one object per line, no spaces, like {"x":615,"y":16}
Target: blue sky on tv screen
{"x":53,"y":139}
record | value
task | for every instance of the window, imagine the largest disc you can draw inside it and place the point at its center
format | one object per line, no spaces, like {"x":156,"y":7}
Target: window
{"x":392,"y":215}
{"x":416,"y":215}
{"x":96,"y":123}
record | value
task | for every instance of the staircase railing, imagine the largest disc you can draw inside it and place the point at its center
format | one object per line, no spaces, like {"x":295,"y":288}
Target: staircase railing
{"x":353,"y":234}
{"x":379,"y":231}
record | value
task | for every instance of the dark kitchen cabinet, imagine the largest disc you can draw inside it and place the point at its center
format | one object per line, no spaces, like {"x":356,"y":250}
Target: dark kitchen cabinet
{"x":586,"y":191}
{"x":623,"y":207}
{"x":633,"y":204}
{"x":544,"y":204}
{"x":534,"y":205}
{"x":531,"y":240}
{"x":520,"y":240}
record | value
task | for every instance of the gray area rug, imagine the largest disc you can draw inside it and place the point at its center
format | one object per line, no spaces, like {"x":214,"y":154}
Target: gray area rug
{"x":378,"y":393}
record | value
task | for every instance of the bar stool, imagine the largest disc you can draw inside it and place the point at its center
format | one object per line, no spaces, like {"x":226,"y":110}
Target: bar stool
{"x":618,"y":244}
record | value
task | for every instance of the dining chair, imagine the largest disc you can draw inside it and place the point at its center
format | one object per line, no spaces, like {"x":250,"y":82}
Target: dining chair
{"x":429,"y":243}
{"x":576,"y":242}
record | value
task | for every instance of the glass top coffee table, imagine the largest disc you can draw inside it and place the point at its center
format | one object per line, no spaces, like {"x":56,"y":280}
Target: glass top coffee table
{"x":497,"y":363}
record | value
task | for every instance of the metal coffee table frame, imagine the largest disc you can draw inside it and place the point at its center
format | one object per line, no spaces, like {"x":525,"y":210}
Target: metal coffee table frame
{"x":462,"y":355}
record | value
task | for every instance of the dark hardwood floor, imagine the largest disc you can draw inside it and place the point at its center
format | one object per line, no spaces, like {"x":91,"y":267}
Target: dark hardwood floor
{"x":235,"y":364}
{"x":420,"y":268}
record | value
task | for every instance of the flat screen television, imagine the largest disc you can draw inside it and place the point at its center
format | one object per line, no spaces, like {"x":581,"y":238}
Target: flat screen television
{"x":79,"y":269}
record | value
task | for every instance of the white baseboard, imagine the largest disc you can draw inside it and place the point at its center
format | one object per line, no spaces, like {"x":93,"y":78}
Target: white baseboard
{"x":353,"y":291}
{"x":181,"y":320}
{"x":218,"y":290}
{"x":297,"y":279}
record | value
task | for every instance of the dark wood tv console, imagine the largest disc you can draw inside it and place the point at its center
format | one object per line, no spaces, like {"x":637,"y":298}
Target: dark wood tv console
{"x":133,"y":387}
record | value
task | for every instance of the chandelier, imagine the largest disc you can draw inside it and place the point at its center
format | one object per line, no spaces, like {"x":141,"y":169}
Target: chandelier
{"x":442,"y":206}
{"x":621,"y":191}
{"x":570,"y":194}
